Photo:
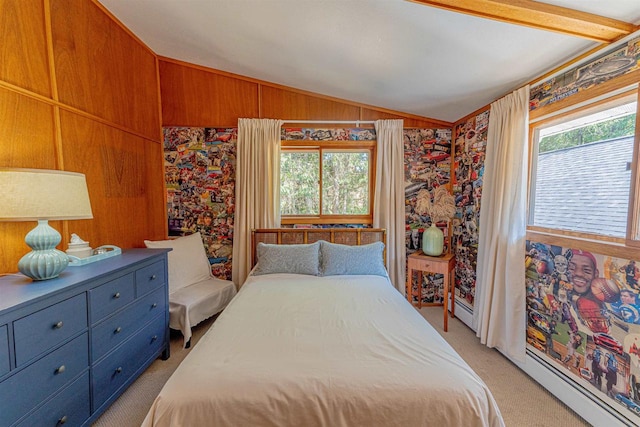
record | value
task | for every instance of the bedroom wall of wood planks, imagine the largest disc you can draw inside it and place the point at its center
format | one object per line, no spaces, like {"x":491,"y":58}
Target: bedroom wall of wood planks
{"x":198,"y":96}
{"x":79,"y":92}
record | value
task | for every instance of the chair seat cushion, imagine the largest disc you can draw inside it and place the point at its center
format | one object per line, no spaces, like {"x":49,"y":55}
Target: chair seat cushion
{"x":192,"y":304}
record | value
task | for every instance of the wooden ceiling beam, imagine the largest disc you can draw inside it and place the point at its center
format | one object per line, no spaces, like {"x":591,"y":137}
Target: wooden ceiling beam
{"x":541,"y":16}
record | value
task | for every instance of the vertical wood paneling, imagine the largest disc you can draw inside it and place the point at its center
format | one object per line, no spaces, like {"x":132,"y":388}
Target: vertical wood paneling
{"x":110,"y":82}
{"x":195,"y":97}
{"x":124,"y":179}
{"x":409,"y":121}
{"x":156,"y":199}
{"x":101,"y":69}
{"x":280,"y":103}
{"x":26,"y":132}
{"x":23,"y":48}
{"x":26,"y":139}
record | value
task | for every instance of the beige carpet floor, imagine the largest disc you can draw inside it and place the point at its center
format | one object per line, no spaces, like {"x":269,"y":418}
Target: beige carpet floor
{"x":522,"y":401}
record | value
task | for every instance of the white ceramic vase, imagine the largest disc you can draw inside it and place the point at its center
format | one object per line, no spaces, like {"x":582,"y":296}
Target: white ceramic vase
{"x":433,"y":241}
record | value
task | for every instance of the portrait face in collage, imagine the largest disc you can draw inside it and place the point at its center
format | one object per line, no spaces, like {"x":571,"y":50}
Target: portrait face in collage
{"x":583,"y":312}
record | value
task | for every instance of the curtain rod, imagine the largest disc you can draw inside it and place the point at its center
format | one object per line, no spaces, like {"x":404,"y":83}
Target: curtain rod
{"x":357,"y":122}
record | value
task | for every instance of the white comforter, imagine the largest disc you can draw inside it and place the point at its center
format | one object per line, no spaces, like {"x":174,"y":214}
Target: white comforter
{"x":294,"y":350}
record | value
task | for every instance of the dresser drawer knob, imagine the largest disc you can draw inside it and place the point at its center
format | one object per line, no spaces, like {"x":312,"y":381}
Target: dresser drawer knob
{"x":118,"y":330}
{"x":154,"y":305}
{"x":58,"y":325}
{"x":60,"y":370}
{"x":153,"y":277}
{"x":62,"y":420}
{"x":118,"y":369}
{"x":116,"y":295}
{"x":153,"y":338}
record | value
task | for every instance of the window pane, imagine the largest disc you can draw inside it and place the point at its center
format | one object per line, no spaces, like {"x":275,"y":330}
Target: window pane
{"x":582,"y":174}
{"x":299,"y":183}
{"x":345,"y":183}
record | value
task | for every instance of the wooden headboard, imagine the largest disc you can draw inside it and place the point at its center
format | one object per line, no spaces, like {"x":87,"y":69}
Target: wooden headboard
{"x":291,"y":236}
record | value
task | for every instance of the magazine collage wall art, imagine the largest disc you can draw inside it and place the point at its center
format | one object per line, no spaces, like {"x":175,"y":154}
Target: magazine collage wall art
{"x":200,"y":180}
{"x":427,"y":165}
{"x":470,"y":144}
{"x":583,"y":313}
{"x":613,"y":63}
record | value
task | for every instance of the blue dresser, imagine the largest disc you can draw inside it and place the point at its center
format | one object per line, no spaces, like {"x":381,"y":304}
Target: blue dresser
{"x":71,"y":345}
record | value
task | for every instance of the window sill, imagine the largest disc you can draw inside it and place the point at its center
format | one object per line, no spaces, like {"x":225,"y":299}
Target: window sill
{"x":351,"y":219}
{"x":608,"y":248}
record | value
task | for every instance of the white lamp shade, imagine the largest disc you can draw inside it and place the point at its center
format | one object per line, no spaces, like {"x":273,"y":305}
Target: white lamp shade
{"x":38,"y":194}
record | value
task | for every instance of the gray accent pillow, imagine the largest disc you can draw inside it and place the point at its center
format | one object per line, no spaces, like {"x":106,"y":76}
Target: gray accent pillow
{"x":336,"y":259}
{"x":296,"y":259}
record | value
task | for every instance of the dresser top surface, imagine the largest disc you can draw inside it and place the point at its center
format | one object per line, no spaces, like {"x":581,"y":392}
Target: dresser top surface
{"x":17,"y":289}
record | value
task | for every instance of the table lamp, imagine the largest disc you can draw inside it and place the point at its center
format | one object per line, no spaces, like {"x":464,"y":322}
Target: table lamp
{"x":42,"y":195}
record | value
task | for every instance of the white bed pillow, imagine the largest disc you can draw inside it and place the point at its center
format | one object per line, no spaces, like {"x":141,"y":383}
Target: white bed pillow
{"x":336,"y":259}
{"x":295,"y":259}
{"x":188,"y":262}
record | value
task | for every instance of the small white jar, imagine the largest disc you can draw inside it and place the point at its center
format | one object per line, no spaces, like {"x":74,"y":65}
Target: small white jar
{"x":80,"y":250}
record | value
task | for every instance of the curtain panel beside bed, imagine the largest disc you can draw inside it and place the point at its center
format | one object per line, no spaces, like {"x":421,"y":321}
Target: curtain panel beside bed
{"x":257,"y":187}
{"x":389,"y":197}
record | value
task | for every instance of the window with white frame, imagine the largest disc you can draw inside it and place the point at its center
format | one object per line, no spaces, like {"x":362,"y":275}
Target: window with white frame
{"x":581,"y":170}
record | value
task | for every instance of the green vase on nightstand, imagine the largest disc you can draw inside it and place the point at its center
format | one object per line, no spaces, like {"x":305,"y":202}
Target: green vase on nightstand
{"x":433,"y":241}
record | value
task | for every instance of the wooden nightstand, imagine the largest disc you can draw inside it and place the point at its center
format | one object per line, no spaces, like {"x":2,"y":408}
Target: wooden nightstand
{"x":441,"y":265}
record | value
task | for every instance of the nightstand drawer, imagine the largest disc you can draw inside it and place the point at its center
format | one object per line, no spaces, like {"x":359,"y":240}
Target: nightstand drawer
{"x":422,"y":264}
{"x":70,"y":407}
{"x":4,"y":350}
{"x":43,"y":378}
{"x":149,"y":278}
{"x":110,"y":297}
{"x":44,"y":329}
{"x":117,"y":329}
{"x":111,"y":373}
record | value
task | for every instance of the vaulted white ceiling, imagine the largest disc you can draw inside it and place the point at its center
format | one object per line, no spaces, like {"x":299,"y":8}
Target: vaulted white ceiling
{"x":393,"y":54}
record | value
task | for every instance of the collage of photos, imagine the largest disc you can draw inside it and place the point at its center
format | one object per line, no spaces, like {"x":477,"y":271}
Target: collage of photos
{"x":427,"y":165}
{"x":337,"y":134}
{"x":583,"y":312}
{"x":200,"y":179}
{"x":470,"y":144}
{"x":617,"y":62}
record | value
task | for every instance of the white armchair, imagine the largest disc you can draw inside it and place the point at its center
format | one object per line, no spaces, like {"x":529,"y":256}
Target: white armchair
{"x":194,"y":294}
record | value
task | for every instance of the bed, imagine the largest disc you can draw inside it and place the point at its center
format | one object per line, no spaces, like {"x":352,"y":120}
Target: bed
{"x":299,"y":349}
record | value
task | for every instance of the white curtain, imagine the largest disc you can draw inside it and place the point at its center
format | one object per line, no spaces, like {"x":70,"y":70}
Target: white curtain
{"x":257,"y":187}
{"x":499,"y":314}
{"x":388,"y":207}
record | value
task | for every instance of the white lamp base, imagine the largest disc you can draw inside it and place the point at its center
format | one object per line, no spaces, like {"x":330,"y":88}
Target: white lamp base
{"x":44,"y":261}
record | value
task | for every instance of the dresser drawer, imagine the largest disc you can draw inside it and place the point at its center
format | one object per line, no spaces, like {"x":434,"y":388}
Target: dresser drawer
{"x":112,"y":372}
{"x":44,"y":329}
{"x":150,"y":277}
{"x":69,"y":407}
{"x":116,"y":329}
{"x":110,"y":297}
{"x":25,"y":390}
{"x":4,"y":350}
